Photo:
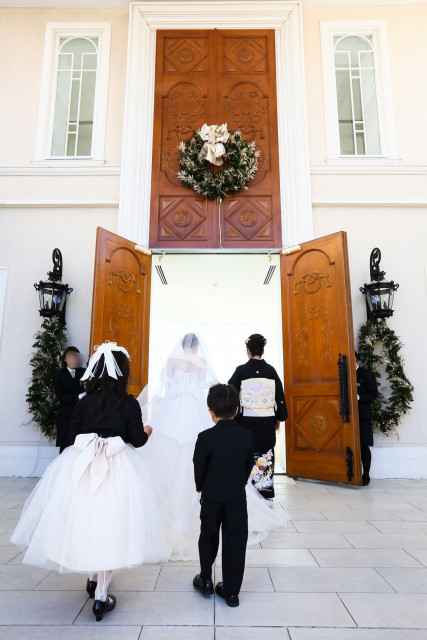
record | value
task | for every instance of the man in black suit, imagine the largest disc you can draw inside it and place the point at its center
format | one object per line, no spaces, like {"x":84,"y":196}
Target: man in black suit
{"x":223,"y":461}
{"x":67,"y":387}
{"x":367,"y":391}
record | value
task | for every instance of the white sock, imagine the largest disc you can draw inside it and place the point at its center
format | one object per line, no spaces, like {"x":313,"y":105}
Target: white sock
{"x":104,"y":579}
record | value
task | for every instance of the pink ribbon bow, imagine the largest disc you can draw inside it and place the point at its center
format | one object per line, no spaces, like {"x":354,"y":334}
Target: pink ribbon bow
{"x":95,"y":452}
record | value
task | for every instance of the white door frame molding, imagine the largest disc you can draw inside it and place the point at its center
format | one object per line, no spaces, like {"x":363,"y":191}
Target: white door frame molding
{"x":285,"y":17}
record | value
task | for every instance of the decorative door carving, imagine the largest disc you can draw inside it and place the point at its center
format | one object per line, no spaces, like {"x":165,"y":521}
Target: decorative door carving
{"x":121,"y":302}
{"x":215,"y":76}
{"x":322,"y":430}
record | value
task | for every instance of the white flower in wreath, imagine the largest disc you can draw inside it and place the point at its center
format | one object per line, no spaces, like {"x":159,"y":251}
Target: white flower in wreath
{"x":214,"y":137}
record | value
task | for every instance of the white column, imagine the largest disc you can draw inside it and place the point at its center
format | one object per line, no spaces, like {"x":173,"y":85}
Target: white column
{"x":283,"y":16}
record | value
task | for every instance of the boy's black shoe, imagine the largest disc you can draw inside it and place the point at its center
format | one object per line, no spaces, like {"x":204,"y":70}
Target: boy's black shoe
{"x":232,"y":601}
{"x":202,"y":585}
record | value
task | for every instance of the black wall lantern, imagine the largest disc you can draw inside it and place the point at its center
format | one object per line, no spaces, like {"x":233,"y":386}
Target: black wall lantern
{"x":379,"y":294}
{"x":53,"y":293}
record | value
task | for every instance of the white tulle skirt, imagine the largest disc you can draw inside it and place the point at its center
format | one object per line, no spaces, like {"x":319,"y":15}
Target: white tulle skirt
{"x":68,"y":527}
{"x":171,"y":467}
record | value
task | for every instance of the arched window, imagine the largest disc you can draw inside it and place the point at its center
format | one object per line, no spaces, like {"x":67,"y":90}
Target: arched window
{"x":355,"y":76}
{"x":75,"y":97}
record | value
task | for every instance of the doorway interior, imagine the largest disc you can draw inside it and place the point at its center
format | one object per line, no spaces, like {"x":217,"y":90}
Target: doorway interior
{"x":224,"y":298}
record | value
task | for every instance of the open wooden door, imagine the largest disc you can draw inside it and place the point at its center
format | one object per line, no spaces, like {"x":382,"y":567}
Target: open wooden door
{"x":121,"y":302}
{"x":322,"y":430}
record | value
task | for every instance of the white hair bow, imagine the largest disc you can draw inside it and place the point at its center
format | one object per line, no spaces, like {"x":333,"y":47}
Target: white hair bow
{"x":105,"y":349}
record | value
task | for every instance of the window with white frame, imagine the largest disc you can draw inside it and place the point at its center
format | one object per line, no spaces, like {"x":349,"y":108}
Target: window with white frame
{"x":75,"y":75}
{"x":356,"y":95}
{"x":73,"y":97}
{"x":357,"y":86}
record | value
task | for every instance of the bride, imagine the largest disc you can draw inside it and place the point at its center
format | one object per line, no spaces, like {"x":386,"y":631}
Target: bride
{"x":174,"y":405}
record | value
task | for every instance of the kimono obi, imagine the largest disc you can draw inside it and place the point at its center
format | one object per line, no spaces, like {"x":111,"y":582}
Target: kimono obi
{"x":257,"y":397}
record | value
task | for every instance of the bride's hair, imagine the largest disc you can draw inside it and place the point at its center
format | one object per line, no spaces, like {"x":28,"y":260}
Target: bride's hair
{"x":190,"y":341}
{"x":223,"y":400}
{"x":256,"y":343}
{"x":107,"y":385}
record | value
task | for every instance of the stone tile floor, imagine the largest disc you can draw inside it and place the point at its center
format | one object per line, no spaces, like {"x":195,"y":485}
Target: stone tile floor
{"x":351,"y":565}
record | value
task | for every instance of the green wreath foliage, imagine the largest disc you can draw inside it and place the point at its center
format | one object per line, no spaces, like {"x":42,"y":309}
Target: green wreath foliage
{"x":49,"y":343}
{"x":387,"y":411}
{"x":240,"y":166}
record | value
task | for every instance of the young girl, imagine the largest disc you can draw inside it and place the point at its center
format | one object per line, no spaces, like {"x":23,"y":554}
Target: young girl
{"x":94,"y":509}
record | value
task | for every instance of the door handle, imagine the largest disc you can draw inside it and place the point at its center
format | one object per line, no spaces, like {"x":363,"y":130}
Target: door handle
{"x":343,"y":387}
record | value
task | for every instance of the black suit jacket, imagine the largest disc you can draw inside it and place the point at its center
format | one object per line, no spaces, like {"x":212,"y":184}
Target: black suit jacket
{"x":367,"y":391}
{"x":223,"y":460}
{"x":126,"y":422}
{"x":67,"y":390}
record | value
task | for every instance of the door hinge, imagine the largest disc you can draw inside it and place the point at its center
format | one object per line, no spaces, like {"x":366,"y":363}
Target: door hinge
{"x":142,"y":249}
{"x":289,"y":250}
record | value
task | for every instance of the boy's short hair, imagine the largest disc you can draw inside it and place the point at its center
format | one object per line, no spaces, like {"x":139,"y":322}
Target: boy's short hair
{"x":223,"y":400}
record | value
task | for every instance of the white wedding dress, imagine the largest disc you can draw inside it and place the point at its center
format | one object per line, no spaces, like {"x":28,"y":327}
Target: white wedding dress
{"x":176,"y":409}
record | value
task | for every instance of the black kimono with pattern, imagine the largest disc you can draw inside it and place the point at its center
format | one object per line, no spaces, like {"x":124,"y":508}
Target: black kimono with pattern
{"x":263,"y":429}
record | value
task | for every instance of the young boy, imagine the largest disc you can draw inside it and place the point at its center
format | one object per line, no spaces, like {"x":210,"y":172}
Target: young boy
{"x":223,"y":460}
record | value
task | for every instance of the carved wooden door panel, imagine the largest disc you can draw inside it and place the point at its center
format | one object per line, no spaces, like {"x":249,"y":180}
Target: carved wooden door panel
{"x":214,"y":77}
{"x":322,"y":430}
{"x":246,"y":81}
{"x":121,"y":302}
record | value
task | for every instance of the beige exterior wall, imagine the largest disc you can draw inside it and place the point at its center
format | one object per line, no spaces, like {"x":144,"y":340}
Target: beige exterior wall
{"x":22,"y":34}
{"x":399,"y":231}
{"x":406,"y":27}
{"x":29,"y":233}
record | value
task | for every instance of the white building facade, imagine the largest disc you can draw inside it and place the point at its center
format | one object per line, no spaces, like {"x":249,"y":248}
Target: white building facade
{"x":76,"y":146}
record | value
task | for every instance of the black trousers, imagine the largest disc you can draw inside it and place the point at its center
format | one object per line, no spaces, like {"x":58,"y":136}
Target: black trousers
{"x":366,"y":456}
{"x":232,"y":518}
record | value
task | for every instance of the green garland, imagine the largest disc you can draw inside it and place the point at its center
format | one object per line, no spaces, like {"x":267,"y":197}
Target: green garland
{"x":42,"y":401}
{"x":387,"y":412}
{"x":240,"y":166}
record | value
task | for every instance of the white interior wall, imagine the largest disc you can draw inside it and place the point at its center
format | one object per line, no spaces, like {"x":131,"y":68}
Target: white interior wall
{"x":224,"y":300}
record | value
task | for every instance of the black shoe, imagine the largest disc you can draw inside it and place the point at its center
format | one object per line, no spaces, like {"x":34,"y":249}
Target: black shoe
{"x":366,"y":481}
{"x":99,"y":607}
{"x":202,"y":585}
{"x":90,"y":587}
{"x":232,"y":601}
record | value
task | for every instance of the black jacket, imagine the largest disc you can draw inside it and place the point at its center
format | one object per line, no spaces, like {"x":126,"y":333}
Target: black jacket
{"x":223,"y":461}
{"x":126,"y":422}
{"x":367,"y":392}
{"x":67,"y":390}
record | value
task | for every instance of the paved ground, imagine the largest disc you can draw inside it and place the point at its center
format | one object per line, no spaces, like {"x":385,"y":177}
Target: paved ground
{"x":352,"y":565}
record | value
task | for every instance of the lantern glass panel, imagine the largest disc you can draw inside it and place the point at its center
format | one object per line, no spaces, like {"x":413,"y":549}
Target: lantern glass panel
{"x":58,"y":299}
{"x":47,"y":297}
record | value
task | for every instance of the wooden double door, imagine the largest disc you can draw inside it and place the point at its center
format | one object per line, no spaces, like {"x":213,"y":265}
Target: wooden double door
{"x":322,"y":434}
{"x":215,"y":77}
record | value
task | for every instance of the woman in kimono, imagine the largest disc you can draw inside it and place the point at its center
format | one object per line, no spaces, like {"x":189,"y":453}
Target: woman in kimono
{"x":262,"y":409}
{"x":174,"y":404}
